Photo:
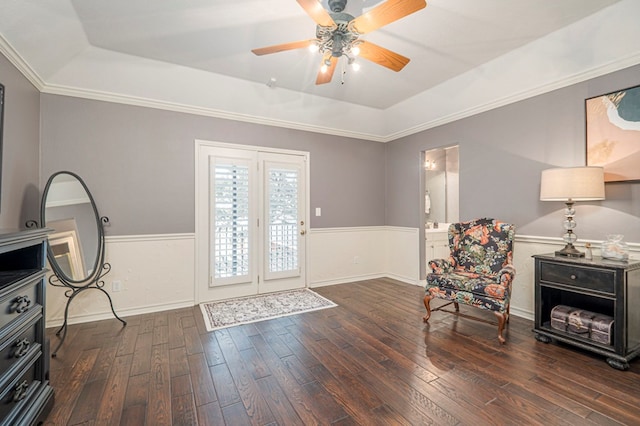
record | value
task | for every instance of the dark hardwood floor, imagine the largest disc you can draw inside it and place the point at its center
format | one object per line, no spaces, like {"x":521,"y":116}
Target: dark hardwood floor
{"x":369,"y":361}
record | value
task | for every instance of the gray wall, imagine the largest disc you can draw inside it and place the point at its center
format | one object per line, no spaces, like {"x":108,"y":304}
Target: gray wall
{"x":139,"y":163}
{"x":20,"y":156}
{"x":502,"y":153}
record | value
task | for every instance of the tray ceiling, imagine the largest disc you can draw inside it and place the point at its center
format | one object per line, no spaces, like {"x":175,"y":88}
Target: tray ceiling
{"x":195,"y":56}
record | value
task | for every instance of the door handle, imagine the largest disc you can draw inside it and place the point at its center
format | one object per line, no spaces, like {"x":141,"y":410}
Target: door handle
{"x":302,"y":232}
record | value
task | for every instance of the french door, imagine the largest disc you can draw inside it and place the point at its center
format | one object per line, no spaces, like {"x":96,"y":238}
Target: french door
{"x":251,"y":221}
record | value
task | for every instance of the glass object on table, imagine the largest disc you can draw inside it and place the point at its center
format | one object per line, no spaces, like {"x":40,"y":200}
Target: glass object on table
{"x":614,"y":248}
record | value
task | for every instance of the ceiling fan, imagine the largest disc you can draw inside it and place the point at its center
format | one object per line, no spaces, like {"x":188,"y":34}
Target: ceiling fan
{"x":337,"y":34}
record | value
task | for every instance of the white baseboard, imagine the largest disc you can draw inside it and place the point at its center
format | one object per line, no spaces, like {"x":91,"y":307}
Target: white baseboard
{"x":345,"y":280}
{"x":515,"y":311}
{"x":122,"y":313}
{"x":404,"y":279}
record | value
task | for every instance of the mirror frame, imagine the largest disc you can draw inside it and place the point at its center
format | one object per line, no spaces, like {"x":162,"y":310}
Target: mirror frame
{"x":99,"y":265}
{"x":1,"y":132}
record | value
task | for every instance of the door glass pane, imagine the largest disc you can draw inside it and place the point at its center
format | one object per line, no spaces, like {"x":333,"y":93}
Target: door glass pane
{"x":231,"y":221}
{"x":283,"y":219}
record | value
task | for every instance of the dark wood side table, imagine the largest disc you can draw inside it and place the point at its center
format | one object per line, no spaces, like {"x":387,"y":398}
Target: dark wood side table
{"x":601,"y":286}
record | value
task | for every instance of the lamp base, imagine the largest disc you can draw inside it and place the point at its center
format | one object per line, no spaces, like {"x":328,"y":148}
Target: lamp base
{"x":570,"y":251}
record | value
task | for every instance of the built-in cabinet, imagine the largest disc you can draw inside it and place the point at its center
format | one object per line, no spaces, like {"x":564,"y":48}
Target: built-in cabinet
{"x":25,"y":394}
{"x":436,"y":244}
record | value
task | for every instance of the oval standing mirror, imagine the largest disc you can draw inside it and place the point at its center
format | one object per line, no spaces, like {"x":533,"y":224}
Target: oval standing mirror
{"x":75,"y":245}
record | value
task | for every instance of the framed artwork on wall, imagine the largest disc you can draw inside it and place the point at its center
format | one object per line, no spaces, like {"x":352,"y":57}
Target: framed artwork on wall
{"x":613,"y":134}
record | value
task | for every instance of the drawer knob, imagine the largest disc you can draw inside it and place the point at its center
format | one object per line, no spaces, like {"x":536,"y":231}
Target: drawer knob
{"x":573,"y":277}
{"x":21,"y":391}
{"x":22,"y":303}
{"x":22,"y":347}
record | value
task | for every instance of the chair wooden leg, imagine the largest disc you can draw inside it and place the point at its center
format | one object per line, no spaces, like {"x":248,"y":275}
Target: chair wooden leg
{"x":457,"y":306}
{"x":427,"y":299}
{"x":502,"y":319}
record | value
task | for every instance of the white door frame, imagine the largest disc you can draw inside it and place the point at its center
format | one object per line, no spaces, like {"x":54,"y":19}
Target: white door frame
{"x":202,"y":210}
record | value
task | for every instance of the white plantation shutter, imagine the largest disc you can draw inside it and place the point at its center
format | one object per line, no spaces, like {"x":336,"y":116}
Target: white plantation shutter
{"x":231,"y":220}
{"x":283,"y":206}
{"x":283,"y":219}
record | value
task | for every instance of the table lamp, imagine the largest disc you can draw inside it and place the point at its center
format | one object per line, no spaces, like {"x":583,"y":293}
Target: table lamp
{"x":571,"y":184}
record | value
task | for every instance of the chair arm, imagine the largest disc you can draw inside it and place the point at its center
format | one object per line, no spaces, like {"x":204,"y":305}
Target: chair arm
{"x":441,"y":266}
{"x":506,"y":275}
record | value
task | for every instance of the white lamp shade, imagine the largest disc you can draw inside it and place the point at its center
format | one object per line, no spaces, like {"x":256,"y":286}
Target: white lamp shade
{"x":575,"y":183}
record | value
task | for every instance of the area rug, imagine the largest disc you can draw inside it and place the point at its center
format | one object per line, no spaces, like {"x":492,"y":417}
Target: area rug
{"x":245,"y":310}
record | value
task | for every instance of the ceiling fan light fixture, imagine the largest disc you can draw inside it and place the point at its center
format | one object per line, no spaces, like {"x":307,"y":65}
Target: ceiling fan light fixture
{"x":338,"y":32}
{"x":355,"y":66}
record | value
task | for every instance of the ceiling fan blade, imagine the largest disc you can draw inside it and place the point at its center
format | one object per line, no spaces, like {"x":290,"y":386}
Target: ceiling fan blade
{"x":386,"y":13}
{"x":325,"y":77}
{"x":282,"y":47}
{"x":381,"y":56}
{"x":318,"y":13}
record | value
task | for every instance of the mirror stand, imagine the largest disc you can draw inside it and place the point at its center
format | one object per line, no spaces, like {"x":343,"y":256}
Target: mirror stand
{"x":76,"y":248}
{"x":95,"y":283}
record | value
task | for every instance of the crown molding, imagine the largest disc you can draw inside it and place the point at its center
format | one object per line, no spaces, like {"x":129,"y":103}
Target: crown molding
{"x":229,"y":115}
{"x":18,"y":61}
{"x":55,"y":89}
{"x":594,"y":72}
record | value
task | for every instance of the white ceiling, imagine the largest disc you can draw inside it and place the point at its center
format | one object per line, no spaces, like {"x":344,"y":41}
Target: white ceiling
{"x":195,"y":56}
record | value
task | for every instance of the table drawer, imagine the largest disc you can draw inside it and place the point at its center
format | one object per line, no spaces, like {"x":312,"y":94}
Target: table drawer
{"x":602,"y":280}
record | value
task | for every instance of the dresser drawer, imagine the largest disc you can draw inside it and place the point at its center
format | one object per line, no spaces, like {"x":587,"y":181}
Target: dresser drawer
{"x":17,"y":393}
{"x":602,"y":280}
{"x":25,"y":394}
{"x":16,"y":303}
{"x":17,"y":348}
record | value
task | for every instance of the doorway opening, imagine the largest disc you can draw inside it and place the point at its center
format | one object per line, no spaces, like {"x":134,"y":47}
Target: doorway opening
{"x":440,"y":201}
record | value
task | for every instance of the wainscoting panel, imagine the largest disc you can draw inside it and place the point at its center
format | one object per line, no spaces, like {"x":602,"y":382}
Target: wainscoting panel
{"x":156,"y":273}
{"x":402,"y":253}
{"x":522,"y":297}
{"x":339,"y":255}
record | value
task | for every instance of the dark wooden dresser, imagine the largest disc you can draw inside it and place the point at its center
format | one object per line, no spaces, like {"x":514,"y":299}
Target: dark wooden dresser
{"x":25,"y":394}
{"x":597,"y":287}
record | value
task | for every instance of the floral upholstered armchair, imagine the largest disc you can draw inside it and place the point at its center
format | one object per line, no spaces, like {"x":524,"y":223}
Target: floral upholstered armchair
{"x":479,"y":271}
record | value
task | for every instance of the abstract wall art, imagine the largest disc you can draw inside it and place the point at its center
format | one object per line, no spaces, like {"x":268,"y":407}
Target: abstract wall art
{"x":613,"y":134}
